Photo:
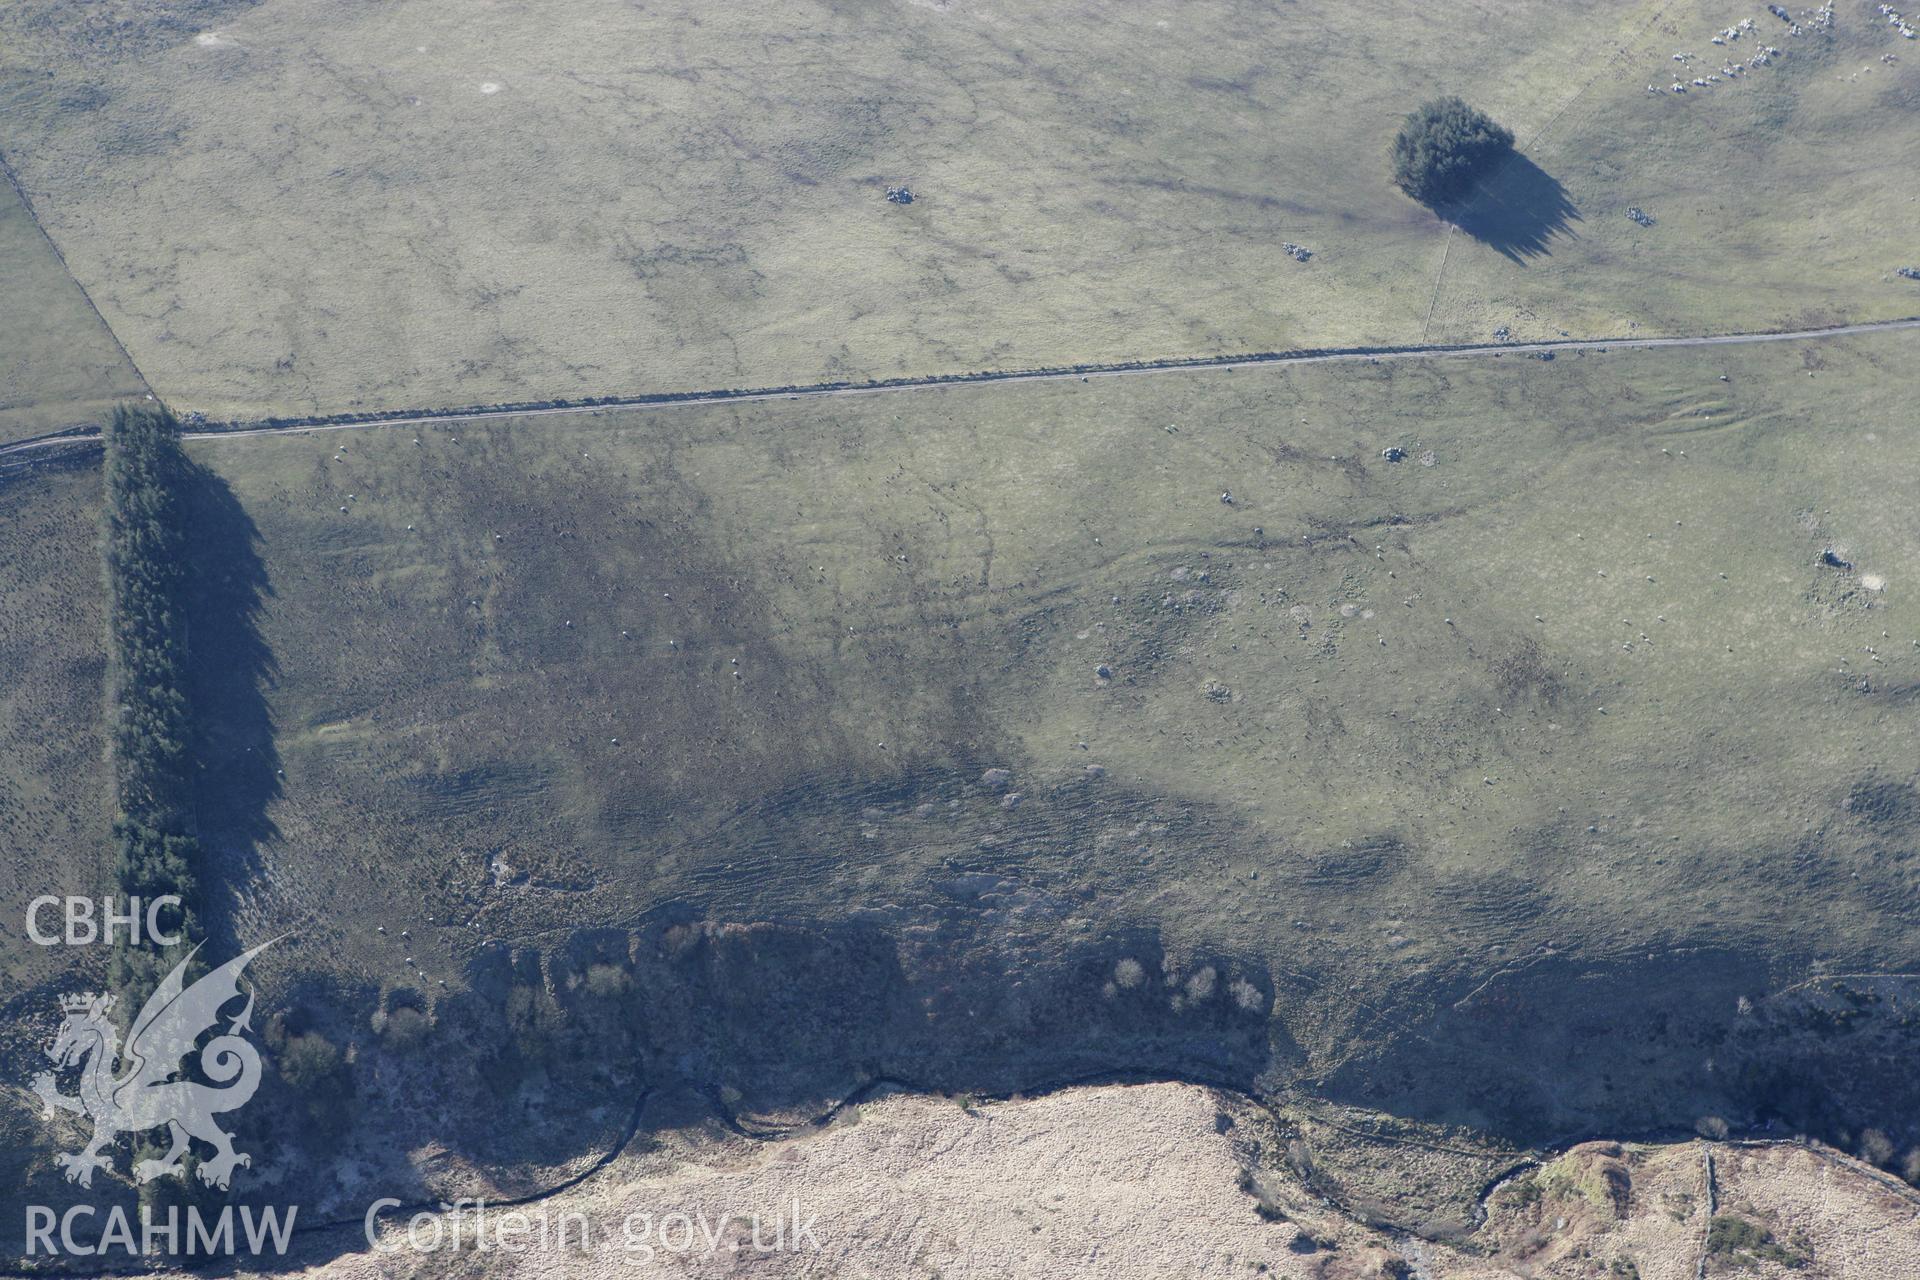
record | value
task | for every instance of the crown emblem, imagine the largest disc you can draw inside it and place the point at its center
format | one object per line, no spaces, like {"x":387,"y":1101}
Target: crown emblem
{"x":86,"y":1002}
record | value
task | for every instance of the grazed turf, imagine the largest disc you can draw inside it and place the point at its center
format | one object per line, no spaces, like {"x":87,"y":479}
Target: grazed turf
{"x":54,"y":802}
{"x":59,"y":367}
{"x":1525,"y":706}
{"x":284,"y":210}
{"x":1503,"y":775}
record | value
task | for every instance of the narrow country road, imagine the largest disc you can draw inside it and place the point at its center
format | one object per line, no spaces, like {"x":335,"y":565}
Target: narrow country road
{"x":1085,"y":373}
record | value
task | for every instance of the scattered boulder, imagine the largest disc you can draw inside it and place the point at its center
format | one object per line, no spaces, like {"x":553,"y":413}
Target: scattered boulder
{"x":1908,"y":273}
{"x":1833,"y":560}
{"x":997,"y":778}
{"x":1393,"y":453}
{"x":1298,"y":252}
{"x":899,"y":195}
{"x":1636,"y":214}
{"x":1502,"y":334}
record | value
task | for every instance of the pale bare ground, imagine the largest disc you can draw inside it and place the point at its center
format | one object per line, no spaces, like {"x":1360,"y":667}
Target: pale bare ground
{"x":1857,"y":1227}
{"x":1144,"y":1181}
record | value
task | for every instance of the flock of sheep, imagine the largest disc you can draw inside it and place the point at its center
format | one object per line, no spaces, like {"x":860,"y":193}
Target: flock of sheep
{"x":1729,"y":68}
{"x":1733,"y":68}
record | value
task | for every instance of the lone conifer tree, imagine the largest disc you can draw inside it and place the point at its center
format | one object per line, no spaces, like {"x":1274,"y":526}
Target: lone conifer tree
{"x":1444,"y":148}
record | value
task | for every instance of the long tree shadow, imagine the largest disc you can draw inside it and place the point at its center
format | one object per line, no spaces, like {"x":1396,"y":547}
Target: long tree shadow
{"x":229,"y":670}
{"x":1518,"y":211}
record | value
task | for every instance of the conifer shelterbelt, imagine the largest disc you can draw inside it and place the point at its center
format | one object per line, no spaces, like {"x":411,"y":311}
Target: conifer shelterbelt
{"x":143,"y":543}
{"x":1444,"y":148}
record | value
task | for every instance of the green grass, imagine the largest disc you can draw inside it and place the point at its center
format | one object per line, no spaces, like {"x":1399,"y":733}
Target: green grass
{"x":433,"y":709}
{"x":1504,"y":831}
{"x":55,"y":808}
{"x":1744,"y":1245}
{"x":59,"y":367}
{"x":1772,"y":195}
{"x":325,"y":211}
{"x":1505,"y":769}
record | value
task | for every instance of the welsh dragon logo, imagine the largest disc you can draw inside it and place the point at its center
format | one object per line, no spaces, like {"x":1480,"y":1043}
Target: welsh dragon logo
{"x":147,"y":1095}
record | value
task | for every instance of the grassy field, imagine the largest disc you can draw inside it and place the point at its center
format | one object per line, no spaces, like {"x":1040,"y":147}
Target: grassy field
{"x":1469,"y":751}
{"x":1565,"y":692}
{"x":1741,"y":178}
{"x":59,"y":367}
{"x":288,"y":211}
{"x":54,"y":804}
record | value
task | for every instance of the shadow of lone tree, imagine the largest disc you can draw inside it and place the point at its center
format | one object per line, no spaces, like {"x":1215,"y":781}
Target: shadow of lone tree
{"x":1460,"y":163}
{"x":1517,"y":211}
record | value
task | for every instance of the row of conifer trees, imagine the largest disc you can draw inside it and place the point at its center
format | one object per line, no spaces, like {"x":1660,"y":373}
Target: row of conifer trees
{"x":149,"y":728}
